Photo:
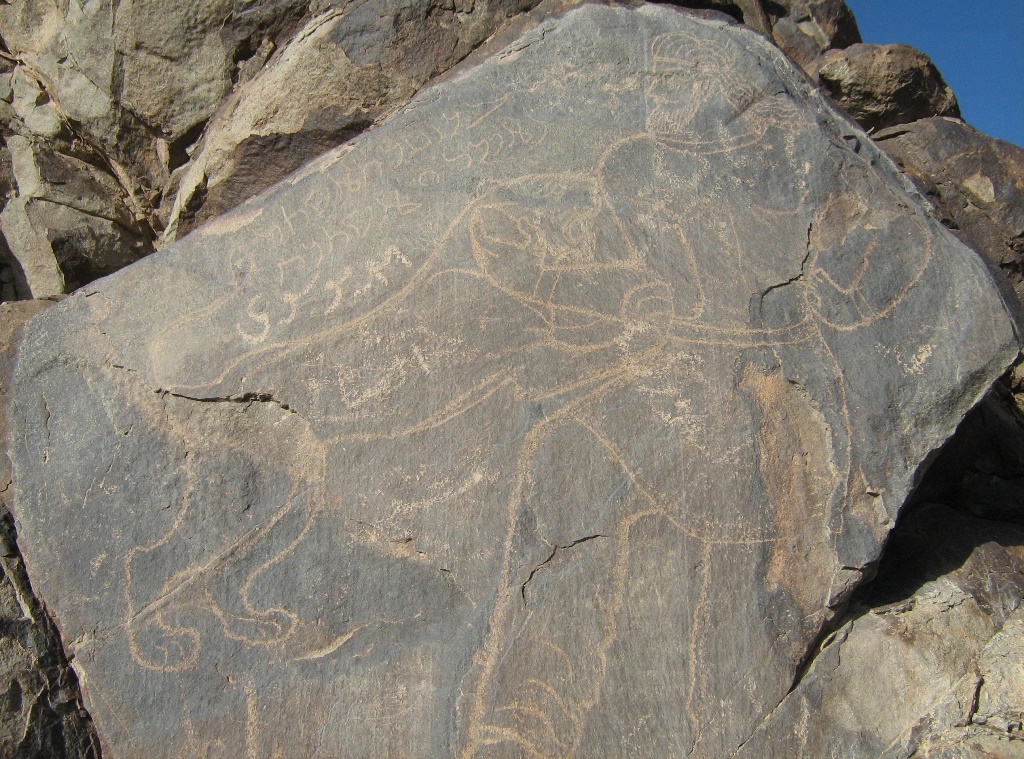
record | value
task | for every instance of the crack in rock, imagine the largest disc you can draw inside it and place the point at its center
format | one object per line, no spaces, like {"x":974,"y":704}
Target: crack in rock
{"x":247,"y":398}
{"x":551,"y":556}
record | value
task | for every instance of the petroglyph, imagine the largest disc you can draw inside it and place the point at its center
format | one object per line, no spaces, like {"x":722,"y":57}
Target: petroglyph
{"x":555,"y":366}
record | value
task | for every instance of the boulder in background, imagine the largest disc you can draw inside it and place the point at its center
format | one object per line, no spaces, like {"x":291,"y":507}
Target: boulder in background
{"x":884,"y":85}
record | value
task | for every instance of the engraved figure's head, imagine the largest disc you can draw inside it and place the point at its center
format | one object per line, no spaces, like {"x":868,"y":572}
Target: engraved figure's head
{"x":863,"y":256}
{"x":673,"y":94}
{"x":697,"y":100}
{"x":690,"y":75}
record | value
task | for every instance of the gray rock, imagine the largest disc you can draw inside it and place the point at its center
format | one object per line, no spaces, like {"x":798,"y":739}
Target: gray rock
{"x":749,"y":12}
{"x":884,"y":85}
{"x":6,"y":84}
{"x":13,"y":317}
{"x":130,"y":74}
{"x":928,"y":662}
{"x":36,"y":272}
{"x":170,"y":64}
{"x":8,"y":264}
{"x":932,"y":669}
{"x":558,"y":415}
{"x":139,"y":84}
{"x":807,"y":28}
{"x":33,"y":107}
{"x":976,"y":183}
{"x":41,"y":712}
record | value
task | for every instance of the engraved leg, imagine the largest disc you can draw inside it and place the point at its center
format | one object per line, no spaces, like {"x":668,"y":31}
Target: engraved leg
{"x":557,"y":613}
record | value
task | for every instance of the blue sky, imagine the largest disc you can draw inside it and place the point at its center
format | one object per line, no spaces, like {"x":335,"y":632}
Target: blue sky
{"x":978,"y":46}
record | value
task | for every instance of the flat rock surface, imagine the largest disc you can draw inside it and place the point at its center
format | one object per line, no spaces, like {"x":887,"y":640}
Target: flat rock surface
{"x":555,"y":417}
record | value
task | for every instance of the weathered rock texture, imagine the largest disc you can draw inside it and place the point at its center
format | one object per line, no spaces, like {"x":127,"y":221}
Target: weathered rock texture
{"x":884,"y":85}
{"x":975,"y":182}
{"x":41,"y":715}
{"x":181,"y":111}
{"x":129,"y":74}
{"x":477,"y":438}
{"x":943,"y":659}
{"x":928,"y":663}
{"x":342,"y":73}
{"x":804,"y":29}
{"x":136,"y":85}
{"x":68,"y":224}
{"x":115,"y":93}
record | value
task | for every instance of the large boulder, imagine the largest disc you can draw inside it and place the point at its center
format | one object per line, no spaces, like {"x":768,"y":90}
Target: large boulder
{"x":884,"y":85}
{"x":196,"y":107}
{"x":804,"y":29}
{"x":560,"y":415}
{"x":976,"y":185}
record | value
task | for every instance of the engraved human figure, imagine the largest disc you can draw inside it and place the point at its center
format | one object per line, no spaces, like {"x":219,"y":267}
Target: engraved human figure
{"x":654,"y":448}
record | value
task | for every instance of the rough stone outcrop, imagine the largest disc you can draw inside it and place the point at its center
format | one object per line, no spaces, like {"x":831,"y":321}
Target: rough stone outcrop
{"x":975,"y":182}
{"x":128,"y":87}
{"x":804,"y":29}
{"x":66,"y":216}
{"x":191,"y":109}
{"x":476,"y":438}
{"x":344,"y":71}
{"x":927,"y":663}
{"x":130,"y":75}
{"x":884,"y":85}
{"x":41,"y":714}
{"x":67,"y":224}
{"x":944,"y":658}
{"x":341,"y":75}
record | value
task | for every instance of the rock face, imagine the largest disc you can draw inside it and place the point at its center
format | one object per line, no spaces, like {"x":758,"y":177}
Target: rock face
{"x":343,"y":72}
{"x":937,"y":637}
{"x":112,"y":96}
{"x":138,"y":84}
{"x":40,"y":711}
{"x":188,"y":110}
{"x":129,"y":74}
{"x":976,"y":183}
{"x":477,"y":438}
{"x":67,"y":225}
{"x":807,"y":28}
{"x":950,"y":650}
